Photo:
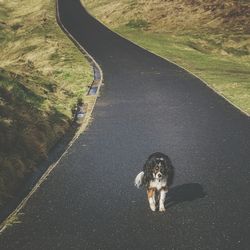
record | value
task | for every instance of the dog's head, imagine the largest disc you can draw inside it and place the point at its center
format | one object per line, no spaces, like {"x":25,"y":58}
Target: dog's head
{"x":158,"y":167}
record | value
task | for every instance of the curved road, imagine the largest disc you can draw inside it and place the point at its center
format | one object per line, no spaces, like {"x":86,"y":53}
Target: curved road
{"x":146,"y":105}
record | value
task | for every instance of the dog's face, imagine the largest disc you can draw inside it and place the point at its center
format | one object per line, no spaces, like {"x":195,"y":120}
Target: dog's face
{"x":155,"y":168}
{"x":158,"y":169}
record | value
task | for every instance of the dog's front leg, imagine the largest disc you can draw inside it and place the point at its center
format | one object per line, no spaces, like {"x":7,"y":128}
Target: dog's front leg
{"x":163,"y":193}
{"x":151,"y":198}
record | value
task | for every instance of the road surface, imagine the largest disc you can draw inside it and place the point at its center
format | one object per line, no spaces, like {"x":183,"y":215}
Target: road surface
{"x":146,"y":104}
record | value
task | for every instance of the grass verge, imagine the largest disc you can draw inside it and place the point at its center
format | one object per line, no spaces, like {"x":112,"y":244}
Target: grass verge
{"x":42,"y":74}
{"x":228,"y":74}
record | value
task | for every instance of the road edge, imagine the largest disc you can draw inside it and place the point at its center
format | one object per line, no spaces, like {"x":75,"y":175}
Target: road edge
{"x":91,"y":100}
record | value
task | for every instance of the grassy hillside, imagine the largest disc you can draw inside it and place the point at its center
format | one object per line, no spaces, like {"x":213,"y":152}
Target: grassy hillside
{"x":210,"y":38}
{"x":41,"y":76}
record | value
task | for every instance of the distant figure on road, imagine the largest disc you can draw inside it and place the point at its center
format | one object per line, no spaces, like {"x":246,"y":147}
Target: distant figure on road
{"x":79,"y":111}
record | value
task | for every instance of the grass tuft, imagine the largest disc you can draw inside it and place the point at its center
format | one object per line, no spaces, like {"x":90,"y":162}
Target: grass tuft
{"x":138,"y":24}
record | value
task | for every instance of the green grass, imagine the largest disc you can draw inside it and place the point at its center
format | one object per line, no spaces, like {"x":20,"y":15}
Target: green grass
{"x":42,"y":74}
{"x":137,"y":24}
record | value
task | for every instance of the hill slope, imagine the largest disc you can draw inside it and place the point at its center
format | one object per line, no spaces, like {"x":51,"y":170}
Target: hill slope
{"x":176,"y":15}
{"x":39,"y":83}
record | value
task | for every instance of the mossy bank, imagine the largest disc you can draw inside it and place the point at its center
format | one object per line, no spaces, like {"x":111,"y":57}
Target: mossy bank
{"x":42,"y":74}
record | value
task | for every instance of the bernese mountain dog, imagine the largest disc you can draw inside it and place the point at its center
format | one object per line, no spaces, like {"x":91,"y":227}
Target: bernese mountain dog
{"x":157,"y":176}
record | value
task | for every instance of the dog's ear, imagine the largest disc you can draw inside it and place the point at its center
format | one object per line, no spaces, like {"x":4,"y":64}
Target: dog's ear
{"x":148,"y":171}
{"x":148,"y":176}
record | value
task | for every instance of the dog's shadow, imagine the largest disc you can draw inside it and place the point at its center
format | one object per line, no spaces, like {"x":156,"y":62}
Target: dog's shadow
{"x":184,"y":192}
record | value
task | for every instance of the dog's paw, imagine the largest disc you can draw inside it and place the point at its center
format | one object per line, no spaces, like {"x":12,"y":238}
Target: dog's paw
{"x":162,"y":209}
{"x":152,"y":207}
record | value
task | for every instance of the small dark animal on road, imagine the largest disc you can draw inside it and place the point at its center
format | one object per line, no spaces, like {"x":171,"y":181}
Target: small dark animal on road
{"x":78,"y":111}
{"x":157,"y":176}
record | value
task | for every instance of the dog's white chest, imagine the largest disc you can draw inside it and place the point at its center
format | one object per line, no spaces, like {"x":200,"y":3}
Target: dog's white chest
{"x":158,"y":184}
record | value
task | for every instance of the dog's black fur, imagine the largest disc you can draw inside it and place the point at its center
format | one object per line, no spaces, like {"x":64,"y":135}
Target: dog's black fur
{"x":167,"y":168}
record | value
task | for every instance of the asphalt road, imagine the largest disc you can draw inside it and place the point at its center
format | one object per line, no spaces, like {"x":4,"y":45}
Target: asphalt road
{"x":146,"y":105}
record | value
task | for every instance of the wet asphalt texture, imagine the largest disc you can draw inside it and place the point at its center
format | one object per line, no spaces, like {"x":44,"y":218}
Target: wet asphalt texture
{"x":146,"y":104}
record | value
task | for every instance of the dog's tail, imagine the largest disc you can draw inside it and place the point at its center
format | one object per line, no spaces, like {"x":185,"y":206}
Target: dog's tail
{"x":139,"y":179}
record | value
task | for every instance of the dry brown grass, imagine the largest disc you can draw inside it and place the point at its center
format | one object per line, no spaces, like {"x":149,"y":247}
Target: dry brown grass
{"x":175,"y":15}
